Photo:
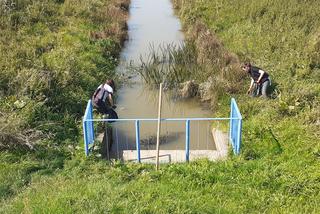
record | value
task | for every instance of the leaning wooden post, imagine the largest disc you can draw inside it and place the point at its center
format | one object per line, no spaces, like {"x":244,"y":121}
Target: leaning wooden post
{"x":159,"y":125}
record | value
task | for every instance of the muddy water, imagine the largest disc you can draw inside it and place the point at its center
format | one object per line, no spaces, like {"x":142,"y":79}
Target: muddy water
{"x":153,"y":23}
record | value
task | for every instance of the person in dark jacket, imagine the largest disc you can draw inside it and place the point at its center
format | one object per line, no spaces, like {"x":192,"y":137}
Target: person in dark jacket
{"x":260,"y":80}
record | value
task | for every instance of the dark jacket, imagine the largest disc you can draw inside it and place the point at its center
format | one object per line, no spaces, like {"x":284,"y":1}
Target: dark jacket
{"x":254,"y":73}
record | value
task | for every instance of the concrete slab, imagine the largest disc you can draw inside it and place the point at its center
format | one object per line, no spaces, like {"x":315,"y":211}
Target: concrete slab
{"x":222,"y":142}
{"x":166,"y":156}
{"x":175,"y":156}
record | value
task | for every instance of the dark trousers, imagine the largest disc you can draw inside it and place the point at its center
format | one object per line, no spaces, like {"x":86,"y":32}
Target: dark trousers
{"x":260,"y":89}
{"x":109,"y":111}
{"x":264,"y":88}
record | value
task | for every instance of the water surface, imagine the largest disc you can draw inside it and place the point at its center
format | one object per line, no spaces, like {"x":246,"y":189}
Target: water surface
{"x":153,"y":23}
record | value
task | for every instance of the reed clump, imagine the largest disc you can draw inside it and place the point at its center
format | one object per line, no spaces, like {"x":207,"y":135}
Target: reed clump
{"x":205,"y":62}
{"x":167,"y":64}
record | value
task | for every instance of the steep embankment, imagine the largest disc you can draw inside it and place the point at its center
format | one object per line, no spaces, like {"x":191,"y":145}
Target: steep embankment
{"x":283,"y":38}
{"x":53,"y":55}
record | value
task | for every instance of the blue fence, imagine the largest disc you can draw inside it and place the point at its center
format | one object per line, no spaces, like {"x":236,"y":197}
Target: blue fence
{"x":235,"y":127}
{"x":88,"y":129}
{"x":234,"y":135}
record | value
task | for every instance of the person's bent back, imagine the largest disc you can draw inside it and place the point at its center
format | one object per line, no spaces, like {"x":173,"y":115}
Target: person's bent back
{"x":102,"y":99}
{"x":260,"y":80}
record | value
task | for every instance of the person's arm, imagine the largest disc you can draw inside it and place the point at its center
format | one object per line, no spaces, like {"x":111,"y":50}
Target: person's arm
{"x":251,"y":84}
{"x":111,"y":100}
{"x":261,"y":75}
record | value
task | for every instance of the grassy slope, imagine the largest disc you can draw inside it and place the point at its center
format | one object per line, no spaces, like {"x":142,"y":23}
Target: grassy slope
{"x":278,"y":170}
{"x":203,"y":187}
{"x":285,"y":131}
{"x":53,"y":55}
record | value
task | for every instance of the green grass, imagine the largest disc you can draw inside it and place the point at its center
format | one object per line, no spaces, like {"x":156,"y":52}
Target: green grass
{"x":280,"y":133}
{"x":236,"y":185}
{"x":51,"y":61}
{"x":277,"y":170}
{"x":57,"y":52}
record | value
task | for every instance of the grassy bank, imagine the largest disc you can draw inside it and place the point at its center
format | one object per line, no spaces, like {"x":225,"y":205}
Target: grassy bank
{"x":234,"y":186}
{"x":53,"y":55}
{"x":285,"y":42}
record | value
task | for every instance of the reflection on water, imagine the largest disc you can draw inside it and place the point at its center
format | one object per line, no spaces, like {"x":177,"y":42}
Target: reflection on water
{"x":153,"y":22}
{"x":150,"y":22}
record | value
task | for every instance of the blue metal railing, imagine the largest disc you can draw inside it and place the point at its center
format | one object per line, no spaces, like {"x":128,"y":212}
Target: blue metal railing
{"x":234,"y":135}
{"x":88,"y":129}
{"x":187,"y":139}
{"x":138,"y":140}
{"x":235,"y":127}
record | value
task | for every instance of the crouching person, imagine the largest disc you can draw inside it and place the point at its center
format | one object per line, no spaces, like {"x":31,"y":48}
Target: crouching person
{"x":102,"y":99}
{"x":260,"y":81}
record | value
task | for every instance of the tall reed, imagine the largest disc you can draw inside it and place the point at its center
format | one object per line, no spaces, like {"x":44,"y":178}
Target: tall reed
{"x":171,"y":64}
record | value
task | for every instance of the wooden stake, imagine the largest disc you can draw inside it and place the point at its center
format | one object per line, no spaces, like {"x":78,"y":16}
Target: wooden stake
{"x":159,"y":125}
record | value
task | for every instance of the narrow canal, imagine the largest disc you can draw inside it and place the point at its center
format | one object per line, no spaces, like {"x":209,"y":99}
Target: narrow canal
{"x":154,"y":23}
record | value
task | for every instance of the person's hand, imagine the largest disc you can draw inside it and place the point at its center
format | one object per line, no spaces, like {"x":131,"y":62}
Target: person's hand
{"x":248,"y":92}
{"x":114,"y":106}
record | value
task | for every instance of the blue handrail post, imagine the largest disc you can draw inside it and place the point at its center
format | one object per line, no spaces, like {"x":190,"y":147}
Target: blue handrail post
{"x":235,"y":127}
{"x":138,"y":140}
{"x":187,"y":140}
{"x":239,"y":136}
{"x":85,"y":137}
{"x":231,"y":122}
{"x":91,"y":117}
{"x":88,"y":128}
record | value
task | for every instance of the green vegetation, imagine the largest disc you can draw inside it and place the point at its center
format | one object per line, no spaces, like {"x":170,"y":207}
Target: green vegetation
{"x":53,"y":55}
{"x":285,"y":42}
{"x":241,"y":186}
{"x":56,"y":52}
{"x":168,"y":64}
{"x":283,"y":38}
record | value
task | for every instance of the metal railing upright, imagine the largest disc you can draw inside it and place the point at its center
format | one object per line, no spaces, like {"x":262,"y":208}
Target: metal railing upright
{"x":235,"y":127}
{"x":88,"y":128}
